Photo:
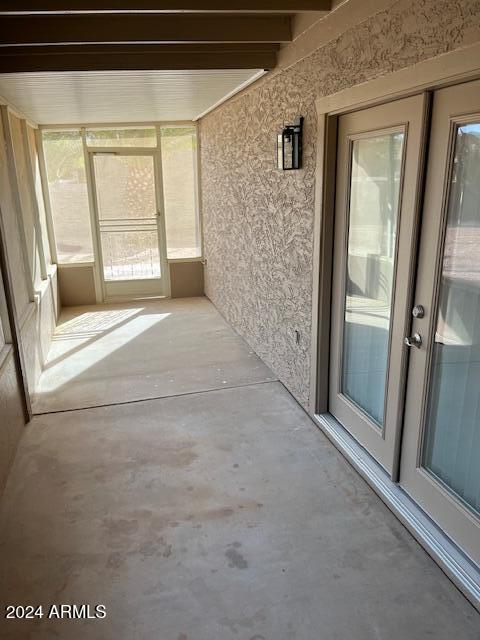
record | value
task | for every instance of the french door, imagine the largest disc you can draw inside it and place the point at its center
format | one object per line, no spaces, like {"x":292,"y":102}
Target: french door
{"x":440,"y":463}
{"x":405,"y":337}
{"x":129,"y":223}
{"x":378,"y":161}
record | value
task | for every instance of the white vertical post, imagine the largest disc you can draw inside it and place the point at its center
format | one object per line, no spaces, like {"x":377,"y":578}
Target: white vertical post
{"x":197,"y":173}
{"x":161,"y":223}
{"x":97,"y":275}
{"x":46,"y":196}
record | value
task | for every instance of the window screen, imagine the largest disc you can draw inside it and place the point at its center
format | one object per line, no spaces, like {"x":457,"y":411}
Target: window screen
{"x":179,"y":167}
{"x":38,"y":190}
{"x":143,"y":137}
{"x":67,"y":187}
{"x":27,"y":204}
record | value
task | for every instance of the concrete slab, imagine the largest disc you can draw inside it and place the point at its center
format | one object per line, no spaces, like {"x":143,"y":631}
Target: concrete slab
{"x":223,"y":515}
{"x":147,"y":349}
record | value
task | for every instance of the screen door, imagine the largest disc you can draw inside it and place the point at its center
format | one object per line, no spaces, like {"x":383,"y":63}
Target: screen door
{"x":129,"y":224}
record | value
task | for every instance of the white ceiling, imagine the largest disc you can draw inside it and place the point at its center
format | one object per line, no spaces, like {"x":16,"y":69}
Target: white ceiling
{"x":79,"y":97}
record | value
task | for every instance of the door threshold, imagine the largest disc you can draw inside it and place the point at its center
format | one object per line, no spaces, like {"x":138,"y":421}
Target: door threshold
{"x":454,"y":563}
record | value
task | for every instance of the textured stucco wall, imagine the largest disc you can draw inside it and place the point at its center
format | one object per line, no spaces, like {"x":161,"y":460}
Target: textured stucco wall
{"x":258,"y":222}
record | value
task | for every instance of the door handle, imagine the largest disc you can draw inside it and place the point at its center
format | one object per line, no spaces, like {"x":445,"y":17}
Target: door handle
{"x":414,"y":341}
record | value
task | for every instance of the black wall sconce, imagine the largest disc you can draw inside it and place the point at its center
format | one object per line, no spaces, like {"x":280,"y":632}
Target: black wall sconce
{"x":289,"y":146}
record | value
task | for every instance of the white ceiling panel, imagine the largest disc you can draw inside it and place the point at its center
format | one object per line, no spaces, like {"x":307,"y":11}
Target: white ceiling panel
{"x":79,"y":97}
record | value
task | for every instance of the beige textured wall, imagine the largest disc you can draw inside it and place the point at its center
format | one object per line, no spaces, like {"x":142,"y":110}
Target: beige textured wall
{"x":258,"y":222}
{"x":76,"y":285}
{"x":186,"y":279}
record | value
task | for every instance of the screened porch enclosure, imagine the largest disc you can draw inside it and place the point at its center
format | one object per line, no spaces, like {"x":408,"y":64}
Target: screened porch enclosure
{"x":125,"y":200}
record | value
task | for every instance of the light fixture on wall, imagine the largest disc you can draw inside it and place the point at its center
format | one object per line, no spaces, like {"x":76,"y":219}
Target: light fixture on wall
{"x":289,"y":146}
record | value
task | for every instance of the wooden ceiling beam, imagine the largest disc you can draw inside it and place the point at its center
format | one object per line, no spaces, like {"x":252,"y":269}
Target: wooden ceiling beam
{"x":137,"y":28}
{"x":137,"y":57}
{"x":229,"y":6}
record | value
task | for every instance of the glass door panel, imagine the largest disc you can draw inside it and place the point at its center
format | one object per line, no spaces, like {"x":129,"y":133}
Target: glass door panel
{"x":376,"y":166}
{"x":179,"y":172}
{"x":128,"y":223}
{"x":441,"y":451}
{"x":452,"y":429}
{"x":375,"y":218}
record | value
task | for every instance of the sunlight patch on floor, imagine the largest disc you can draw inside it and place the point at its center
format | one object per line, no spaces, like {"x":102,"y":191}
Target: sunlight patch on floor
{"x":89,"y":338}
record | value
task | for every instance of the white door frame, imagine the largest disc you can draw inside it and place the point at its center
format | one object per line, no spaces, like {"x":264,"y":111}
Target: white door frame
{"x":447,"y":69}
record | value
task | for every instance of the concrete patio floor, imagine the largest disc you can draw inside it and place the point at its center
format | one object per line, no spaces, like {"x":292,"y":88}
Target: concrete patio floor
{"x":216,"y":515}
{"x":145,"y":349}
